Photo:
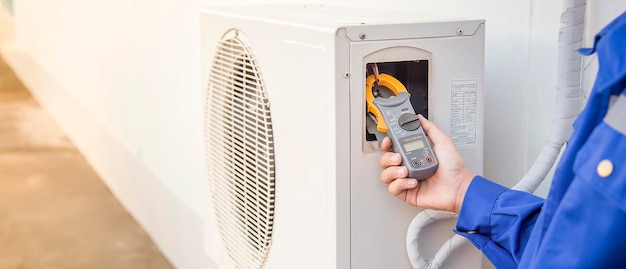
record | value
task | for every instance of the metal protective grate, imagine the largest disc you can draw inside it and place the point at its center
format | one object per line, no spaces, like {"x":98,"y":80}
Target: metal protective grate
{"x":240,"y":153}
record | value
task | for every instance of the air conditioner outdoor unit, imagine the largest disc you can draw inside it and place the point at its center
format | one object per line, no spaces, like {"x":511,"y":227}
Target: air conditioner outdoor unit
{"x":293,"y":174}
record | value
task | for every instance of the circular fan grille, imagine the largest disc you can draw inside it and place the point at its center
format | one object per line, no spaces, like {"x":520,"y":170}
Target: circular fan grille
{"x":240,"y":153}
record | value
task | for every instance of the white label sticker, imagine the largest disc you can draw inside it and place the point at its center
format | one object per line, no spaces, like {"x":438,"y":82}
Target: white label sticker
{"x":463,"y":111}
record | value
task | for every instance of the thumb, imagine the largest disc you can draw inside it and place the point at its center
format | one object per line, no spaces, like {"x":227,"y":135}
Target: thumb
{"x":432,"y":131}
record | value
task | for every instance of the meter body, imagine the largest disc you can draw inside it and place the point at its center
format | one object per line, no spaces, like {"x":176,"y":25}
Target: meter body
{"x":407,"y":136}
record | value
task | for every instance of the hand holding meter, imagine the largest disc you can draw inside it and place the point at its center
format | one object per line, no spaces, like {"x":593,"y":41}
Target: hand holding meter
{"x":394,"y":117}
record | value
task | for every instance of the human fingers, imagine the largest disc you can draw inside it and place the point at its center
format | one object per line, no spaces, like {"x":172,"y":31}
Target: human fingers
{"x":386,"y":144}
{"x":390,"y":159}
{"x":392,"y":173}
{"x":432,"y":131}
{"x":400,"y":185}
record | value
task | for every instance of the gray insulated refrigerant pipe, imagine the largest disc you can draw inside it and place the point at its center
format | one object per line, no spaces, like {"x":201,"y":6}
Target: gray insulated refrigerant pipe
{"x":567,"y":107}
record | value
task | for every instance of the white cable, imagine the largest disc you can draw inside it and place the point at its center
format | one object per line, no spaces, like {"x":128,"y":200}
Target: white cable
{"x":420,"y":221}
{"x":568,"y":93}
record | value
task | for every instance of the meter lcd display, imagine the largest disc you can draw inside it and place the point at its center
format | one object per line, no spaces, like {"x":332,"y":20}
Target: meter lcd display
{"x":414,"y":145}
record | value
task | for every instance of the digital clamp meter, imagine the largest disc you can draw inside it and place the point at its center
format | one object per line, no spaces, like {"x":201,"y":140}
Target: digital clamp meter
{"x":395,"y":117}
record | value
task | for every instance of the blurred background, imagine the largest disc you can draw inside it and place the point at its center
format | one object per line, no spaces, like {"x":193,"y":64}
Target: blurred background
{"x":55,"y":212}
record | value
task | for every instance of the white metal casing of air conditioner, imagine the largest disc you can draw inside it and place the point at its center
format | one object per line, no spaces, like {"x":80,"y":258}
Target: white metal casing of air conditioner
{"x":331,"y":210}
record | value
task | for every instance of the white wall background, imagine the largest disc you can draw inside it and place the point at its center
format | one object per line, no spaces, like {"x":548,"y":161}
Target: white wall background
{"x":133,"y":66}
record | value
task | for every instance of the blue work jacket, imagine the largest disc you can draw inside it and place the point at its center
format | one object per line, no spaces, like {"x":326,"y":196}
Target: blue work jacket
{"x":582,"y":222}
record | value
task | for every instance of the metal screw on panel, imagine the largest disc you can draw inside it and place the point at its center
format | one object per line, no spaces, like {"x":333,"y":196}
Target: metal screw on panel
{"x":362,"y":36}
{"x":459,"y":31}
{"x":346,"y":75}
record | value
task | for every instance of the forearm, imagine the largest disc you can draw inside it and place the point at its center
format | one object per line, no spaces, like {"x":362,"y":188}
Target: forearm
{"x":496,"y":213}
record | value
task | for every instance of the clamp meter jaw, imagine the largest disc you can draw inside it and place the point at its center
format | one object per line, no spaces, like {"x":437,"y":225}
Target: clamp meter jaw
{"x":395,"y":118}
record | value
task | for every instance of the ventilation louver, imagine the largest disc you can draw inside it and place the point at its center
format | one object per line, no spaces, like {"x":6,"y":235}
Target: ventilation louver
{"x":240,"y":153}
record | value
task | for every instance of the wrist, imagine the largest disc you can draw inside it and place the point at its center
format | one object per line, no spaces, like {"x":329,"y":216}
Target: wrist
{"x":462,"y":190}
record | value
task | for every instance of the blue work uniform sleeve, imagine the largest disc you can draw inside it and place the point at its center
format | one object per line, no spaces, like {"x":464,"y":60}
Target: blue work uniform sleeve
{"x":498,"y":220}
{"x":581,"y":224}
